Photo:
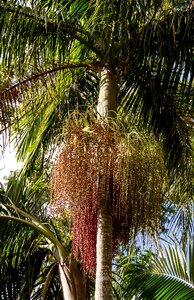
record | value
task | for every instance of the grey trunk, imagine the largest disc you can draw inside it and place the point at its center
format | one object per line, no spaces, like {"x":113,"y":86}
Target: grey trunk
{"x":103,"y":288}
{"x":66,"y":283}
{"x":107,"y":94}
{"x":73,"y":280}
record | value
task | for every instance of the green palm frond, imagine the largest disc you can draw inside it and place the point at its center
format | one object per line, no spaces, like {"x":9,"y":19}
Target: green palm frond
{"x":44,"y":32}
{"x":167,"y":287}
{"x":39,"y":122}
{"x":162,"y":114}
{"x":47,"y":85}
{"x":24,"y":252}
{"x":181,"y":222}
{"x":21,"y":259}
{"x":16,"y":267}
{"x":158,"y":96}
{"x":168,"y":276}
{"x":24,"y":264}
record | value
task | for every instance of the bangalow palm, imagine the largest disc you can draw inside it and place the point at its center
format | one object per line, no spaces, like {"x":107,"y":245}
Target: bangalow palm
{"x":128,"y":58}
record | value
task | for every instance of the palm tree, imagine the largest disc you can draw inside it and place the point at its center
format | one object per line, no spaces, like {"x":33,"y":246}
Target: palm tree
{"x":131,"y":57}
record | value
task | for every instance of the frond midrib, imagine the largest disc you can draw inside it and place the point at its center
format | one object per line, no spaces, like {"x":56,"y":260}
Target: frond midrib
{"x":79,"y":33}
{"x":173,"y":277}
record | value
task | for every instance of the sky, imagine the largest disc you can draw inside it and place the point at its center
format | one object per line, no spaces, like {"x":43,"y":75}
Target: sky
{"x":8,"y":163}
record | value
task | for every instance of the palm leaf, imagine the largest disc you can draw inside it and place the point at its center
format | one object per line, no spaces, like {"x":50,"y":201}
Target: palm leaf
{"x":41,"y":31}
{"x":165,"y":287}
{"x":44,"y":122}
{"x":24,"y":257}
{"x":158,"y":95}
{"x":167,"y":277}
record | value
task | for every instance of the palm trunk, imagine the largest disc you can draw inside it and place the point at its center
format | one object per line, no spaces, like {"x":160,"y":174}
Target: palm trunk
{"x":72,"y":278}
{"x":79,"y":279}
{"x":103,"y":288}
{"x":73,"y":282}
{"x":68,"y":288}
{"x":107,"y":95}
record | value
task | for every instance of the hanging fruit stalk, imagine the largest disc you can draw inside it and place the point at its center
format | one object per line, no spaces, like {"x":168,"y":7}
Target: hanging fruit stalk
{"x":126,"y":164}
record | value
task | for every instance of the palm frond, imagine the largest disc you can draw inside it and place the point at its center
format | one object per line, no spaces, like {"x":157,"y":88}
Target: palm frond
{"x":39,"y":130}
{"x":167,"y":276}
{"x":24,"y":253}
{"x":42,"y":32}
{"x":21,"y":259}
{"x":159,"y":287}
{"x":36,"y":81}
{"x":161,"y":94}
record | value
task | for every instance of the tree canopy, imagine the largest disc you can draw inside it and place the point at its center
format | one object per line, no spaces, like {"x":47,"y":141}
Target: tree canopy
{"x":127,"y":59}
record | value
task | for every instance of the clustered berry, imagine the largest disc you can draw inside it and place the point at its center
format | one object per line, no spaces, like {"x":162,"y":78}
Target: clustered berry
{"x":98,"y":159}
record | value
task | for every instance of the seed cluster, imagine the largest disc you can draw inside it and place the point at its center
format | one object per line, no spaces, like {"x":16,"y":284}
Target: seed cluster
{"x":98,"y":159}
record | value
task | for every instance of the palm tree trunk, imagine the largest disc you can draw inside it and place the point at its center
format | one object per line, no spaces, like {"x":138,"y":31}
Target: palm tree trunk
{"x":103,"y":289}
{"x":107,"y":96}
{"x":79,"y":279}
{"x":73,"y":283}
{"x":66,"y":283}
{"x":72,"y":279}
